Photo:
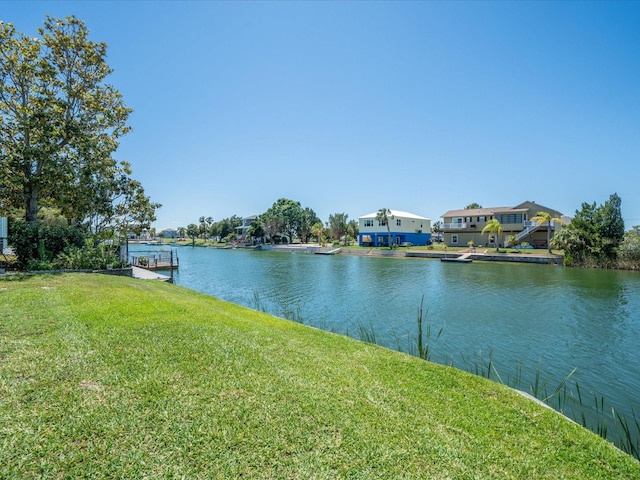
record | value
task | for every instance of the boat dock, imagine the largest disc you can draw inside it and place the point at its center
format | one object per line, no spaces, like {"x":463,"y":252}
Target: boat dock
{"x":143,"y":274}
{"x":155,"y":259}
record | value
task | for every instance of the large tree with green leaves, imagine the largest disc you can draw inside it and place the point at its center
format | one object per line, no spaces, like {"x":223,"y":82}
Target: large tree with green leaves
{"x":338,"y":225}
{"x":594,"y":234}
{"x":59,"y":120}
{"x":284,"y":217}
{"x":308,"y":220}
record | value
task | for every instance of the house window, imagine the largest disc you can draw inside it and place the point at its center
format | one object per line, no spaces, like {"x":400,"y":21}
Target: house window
{"x":368,"y":222}
{"x":482,"y":218}
{"x":467,"y":219}
{"x":382,"y":223}
{"x":509,"y":218}
{"x":399,"y":222}
{"x":454,"y":238}
{"x":456,"y":220}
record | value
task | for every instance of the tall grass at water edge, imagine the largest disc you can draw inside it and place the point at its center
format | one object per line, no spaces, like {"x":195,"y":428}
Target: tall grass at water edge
{"x":624,"y":432}
{"x":565,"y":397}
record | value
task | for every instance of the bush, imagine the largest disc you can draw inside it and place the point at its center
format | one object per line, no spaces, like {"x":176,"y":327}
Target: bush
{"x":88,"y":258}
{"x":629,"y":251}
{"x":33,"y":243}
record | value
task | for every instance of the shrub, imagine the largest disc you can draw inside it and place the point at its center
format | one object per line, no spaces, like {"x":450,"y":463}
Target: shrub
{"x":629,"y":251}
{"x":89,"y":257}
{"x":33,"y":243}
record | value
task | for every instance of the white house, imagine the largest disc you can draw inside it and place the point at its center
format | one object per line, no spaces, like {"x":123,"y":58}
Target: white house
{"x":404,"y":228}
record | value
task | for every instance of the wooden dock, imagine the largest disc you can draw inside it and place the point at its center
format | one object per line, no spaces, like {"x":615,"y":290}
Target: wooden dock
{"x":155,"y":259}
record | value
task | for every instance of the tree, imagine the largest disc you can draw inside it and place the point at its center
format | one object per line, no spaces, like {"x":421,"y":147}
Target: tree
{"x":192,"y":232}
{"x":382,"y":217}
{"x":338,"y":225}
{"x":318,"y":232}
{"x":59,"y":121}
{"x":353,"y":228}
{"x":256,"y":230}
{"x":436,"y":228}
{"x":594,"y":234}
{"x":284,"y":217}
{"x":610,"y":225}
{"x":545,"y":217}
{"x":309,"y":219}
{"x":182,"y":232}
{"x":202,"y":227}
{"x":473,"y":205}
{"x":629,"y":249}
{"x":494,"y":228}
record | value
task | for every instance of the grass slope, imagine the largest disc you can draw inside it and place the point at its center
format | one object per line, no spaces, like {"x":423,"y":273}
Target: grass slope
{"x":113,"y":377}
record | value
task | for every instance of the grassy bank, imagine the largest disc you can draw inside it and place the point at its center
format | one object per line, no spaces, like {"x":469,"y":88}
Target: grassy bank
{"x":113,"y":377}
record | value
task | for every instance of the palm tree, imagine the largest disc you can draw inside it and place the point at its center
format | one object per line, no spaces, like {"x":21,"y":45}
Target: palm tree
{"x":545,"y":217}
{"x":383,"y":219}
{"x":494,"y":228}
{"x":318,"y":231}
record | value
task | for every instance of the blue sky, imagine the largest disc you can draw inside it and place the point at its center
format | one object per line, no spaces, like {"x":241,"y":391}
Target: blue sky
{"x":348,"y":107}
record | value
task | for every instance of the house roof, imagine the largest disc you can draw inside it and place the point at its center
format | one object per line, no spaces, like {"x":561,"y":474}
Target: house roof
{"x":472,"y":212}
{"x":397,"y":213}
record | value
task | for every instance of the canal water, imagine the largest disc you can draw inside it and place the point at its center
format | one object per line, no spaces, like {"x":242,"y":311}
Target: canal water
{"x":529,"y":321}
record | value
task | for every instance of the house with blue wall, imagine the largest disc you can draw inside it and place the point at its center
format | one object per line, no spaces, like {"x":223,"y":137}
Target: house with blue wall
{"x":406,"y":229}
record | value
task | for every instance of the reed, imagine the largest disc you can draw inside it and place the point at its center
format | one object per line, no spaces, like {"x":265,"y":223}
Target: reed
{"x":565,"y":398}
{"x":424,"y":348}
{"x":626,"y":432}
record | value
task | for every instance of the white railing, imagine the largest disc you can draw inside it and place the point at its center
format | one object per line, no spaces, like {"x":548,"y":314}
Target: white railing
{"x":530,"y":226}
{"x":452,"y":226}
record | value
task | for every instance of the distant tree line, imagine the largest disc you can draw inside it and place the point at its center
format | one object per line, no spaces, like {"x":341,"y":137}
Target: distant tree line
{"x":286,"y":221}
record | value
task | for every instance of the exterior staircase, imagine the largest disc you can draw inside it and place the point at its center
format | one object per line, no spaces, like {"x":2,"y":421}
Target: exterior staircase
{"x":532,"y":227}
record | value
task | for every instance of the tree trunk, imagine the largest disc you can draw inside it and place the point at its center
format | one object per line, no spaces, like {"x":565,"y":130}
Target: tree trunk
{"x":31,"y":203}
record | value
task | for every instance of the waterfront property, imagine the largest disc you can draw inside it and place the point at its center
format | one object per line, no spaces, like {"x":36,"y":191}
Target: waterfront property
{"x":461,"y":227}
{"x":243,"y":230}
{"x":169,"y":233}
{"x":404,"y":229}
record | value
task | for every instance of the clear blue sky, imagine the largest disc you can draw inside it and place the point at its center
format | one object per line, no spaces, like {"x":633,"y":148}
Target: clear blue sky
{"x":348,"y":107}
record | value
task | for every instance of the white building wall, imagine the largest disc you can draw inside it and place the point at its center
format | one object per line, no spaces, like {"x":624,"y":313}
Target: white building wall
{"x":409,"y":223}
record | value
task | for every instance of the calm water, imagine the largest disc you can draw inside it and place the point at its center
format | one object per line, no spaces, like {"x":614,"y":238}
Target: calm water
{"x":528,"y":317}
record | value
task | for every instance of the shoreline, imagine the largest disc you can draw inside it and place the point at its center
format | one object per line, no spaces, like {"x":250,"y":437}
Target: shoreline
{"x":485,"y":256}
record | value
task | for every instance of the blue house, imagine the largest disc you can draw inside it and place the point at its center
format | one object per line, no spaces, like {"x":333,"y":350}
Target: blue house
{"x":406,"y":229}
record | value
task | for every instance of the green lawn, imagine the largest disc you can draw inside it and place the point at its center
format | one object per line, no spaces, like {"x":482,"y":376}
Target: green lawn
{"x":107,"y":377}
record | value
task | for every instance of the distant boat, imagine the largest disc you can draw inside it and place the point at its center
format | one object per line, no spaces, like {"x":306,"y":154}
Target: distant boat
{"x":456,"y":259}
{"x":329,"y":252}
{"x":465,"y":258}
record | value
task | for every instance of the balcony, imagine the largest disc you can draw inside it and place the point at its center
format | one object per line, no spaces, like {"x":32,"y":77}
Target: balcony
{"x":455,"y":226}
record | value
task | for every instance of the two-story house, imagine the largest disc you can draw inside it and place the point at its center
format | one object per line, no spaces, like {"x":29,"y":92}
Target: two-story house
{"x":404,"y":228}
{"x":460,"y":227}
{"x":242,"y":231}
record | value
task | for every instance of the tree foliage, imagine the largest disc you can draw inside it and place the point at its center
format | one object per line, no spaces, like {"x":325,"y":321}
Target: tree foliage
{"x":285,"y":217}
{"x":60,"y":123}
{"x":382,"y":216}
{"x":192,"y":232}
{"x":338,"y":225}
{"x":545,"y":217}
{"x":594,"y":234}
{"x":494,"y":228}
{"x":309,"y":219}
